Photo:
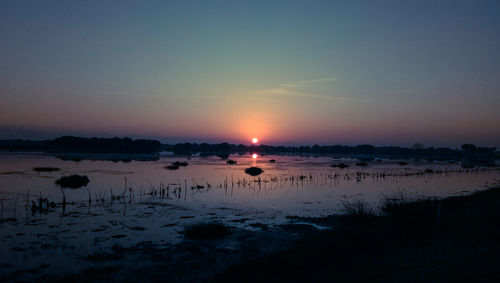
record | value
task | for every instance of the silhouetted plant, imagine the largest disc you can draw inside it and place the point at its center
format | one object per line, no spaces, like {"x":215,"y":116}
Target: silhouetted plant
{"x":254,"y":171}
{"x":356,"y":208}
{"x":178,"y":164}
{"x":340,"y":165}
{"x":73,"y":181}
{"x":46,"y":169}
{"x":172,"y":167}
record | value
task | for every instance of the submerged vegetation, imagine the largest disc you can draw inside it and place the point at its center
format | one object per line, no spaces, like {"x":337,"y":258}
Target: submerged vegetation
{"x":175,"y":165}
{"x":180,"y":164}
{"x":124,"y":212}
{"x":73,"y":181}
{"x":46,"y":169}
{"x":254,"y":171}
{"x":364,"y":235}
{"x":340,"y":165}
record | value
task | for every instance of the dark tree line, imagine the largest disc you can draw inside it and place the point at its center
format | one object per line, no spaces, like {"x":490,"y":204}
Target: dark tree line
{"x":84,"y":145}
{"x":395,"y":151}
{"x":142,"y":146}
{"x":103,"y":145}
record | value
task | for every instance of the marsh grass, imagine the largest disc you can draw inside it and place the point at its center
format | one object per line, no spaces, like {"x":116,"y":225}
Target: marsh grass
{"x":411,"y":215}
{"x":356,"y":208}
{"x":394,"y":247}
{"x":401,"y":203}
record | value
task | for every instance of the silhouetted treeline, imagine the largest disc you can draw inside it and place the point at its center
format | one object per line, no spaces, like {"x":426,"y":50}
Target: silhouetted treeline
{"x":103,"y":145}
{"x":367,"y":150}
{"x":22,"y":145}
{"x":84,"y":145}
{"x":130,"y":146}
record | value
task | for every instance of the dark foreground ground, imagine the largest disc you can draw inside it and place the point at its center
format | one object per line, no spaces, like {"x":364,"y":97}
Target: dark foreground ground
{"x":412,"y":243}
{"x":455,"y":239}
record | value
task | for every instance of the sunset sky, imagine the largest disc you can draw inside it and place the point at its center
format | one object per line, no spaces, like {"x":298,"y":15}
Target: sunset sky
{"x":286,"y":72}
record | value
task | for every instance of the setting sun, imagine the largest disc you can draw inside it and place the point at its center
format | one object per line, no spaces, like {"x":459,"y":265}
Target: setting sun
{"x":221,"y":122}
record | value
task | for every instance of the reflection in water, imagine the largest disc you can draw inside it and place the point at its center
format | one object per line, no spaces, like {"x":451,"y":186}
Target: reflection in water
{"x":210,"y":183}
{"x":122,"y":200}
{"x":204,"y":178}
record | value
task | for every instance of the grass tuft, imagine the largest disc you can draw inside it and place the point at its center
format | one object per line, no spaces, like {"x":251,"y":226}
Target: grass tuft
{"x":254,"y":171}
{"x":356,"y":208}
{"x":73,"y":181}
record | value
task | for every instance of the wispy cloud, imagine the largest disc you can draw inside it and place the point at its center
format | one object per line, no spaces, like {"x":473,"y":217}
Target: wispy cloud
{"x":310,"y":82}
{"x":302,"y":89}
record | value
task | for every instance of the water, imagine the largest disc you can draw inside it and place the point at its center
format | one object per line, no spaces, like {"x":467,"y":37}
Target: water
{"x":152,"y":203}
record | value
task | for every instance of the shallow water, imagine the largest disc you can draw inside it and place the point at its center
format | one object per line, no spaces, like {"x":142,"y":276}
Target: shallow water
{"x":151,"y":203}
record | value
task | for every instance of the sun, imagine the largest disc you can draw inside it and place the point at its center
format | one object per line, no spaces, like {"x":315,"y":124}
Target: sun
{"x":254,"y":156}
{"x":255,"y":140}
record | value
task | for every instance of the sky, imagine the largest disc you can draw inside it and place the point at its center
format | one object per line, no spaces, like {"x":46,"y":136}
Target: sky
{"x":286,"y":72}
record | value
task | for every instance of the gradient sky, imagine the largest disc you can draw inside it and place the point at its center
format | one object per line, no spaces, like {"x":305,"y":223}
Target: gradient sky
{"x":287,"y":72}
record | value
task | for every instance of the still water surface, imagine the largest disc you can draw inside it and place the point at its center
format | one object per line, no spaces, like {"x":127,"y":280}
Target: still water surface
{"x":151,"y":203}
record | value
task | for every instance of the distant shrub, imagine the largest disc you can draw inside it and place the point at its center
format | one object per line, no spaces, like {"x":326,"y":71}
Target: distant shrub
{"x":340,"y":165}
{"x":254,"y":171}
{"x":45,"y":169}
{"x":73,"y":181}
{"x":172,"y":167}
